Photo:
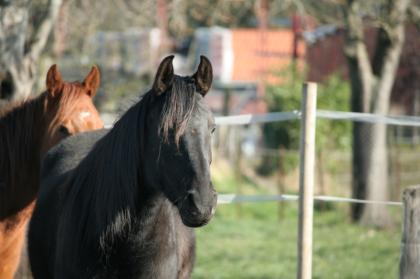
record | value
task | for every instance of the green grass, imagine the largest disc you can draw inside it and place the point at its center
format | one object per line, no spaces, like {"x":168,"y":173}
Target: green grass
{"x":257,"y":244}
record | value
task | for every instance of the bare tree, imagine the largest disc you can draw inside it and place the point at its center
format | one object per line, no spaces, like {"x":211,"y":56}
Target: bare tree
{"x":372,"y":77}
{"x":22,"y":44}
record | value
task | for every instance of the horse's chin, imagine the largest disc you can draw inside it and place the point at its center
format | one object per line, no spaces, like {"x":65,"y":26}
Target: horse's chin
{"x":194,"y":220}
{"x":192,"y":223}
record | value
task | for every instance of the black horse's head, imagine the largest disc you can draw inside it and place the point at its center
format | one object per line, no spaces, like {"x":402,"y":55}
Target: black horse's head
{"x":179,"y":126}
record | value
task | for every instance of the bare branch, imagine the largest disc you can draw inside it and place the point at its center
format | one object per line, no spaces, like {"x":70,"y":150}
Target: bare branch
{"x":390,"y":34}
{"x":325,"y":12}
{"x":414,"y":15}
{"x":42,"y":31}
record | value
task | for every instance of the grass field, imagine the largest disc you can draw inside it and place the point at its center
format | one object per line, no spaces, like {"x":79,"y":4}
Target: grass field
{"x":251,"y":242}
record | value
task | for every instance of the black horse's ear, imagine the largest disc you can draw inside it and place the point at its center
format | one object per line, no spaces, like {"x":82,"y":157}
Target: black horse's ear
{"x":204,"y":75}
{"x":164,"y":76}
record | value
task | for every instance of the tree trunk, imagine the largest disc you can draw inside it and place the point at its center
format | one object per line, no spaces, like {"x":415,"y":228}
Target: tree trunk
{"x":377,"y":180}
{"x":20,"y":52}
{"x":361,"y":80}
{"x":360,"y":170}
{"x":391,"y":46}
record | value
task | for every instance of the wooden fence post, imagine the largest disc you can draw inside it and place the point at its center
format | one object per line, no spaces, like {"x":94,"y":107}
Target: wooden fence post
{"x":410,"y":243}
{"x":306,"y":180}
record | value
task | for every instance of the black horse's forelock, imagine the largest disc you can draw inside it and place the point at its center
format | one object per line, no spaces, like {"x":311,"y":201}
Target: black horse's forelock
{"x":178,"y":108}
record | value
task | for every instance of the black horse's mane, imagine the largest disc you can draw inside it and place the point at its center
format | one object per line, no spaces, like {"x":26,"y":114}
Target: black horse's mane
{"x":107,"y":183}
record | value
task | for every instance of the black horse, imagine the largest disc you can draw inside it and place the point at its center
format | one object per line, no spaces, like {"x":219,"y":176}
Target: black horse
{"x":121,"y":203}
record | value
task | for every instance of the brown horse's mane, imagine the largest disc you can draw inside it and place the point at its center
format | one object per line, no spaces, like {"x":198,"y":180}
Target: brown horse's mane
{"x":7,"y":107}
{"x":23,"y":127}
{"x":20,"y":144}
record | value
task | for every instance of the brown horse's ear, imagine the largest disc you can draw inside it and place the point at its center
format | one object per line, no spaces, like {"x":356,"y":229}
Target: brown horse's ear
{"x":54,"y":81}
{"x":164,"y":76}
{"x":204,"y":76}
{"x":92,"y":81}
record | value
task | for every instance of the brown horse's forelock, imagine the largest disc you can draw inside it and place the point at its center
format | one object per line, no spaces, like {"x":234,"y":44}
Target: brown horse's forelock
{"x":177,"y":109}
{"x":67,"y":99}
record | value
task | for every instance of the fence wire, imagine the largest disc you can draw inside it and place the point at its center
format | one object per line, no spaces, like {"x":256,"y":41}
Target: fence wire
{"x":244,"y":119}
{"x":233,"y":198}
{"x":412,"y":121}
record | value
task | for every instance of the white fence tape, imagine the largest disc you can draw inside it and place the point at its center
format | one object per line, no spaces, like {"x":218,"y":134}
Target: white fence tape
{"x":232,"y":198}
{"x":243,"y":119}
{"x":257,"y":118}
{"x":413,"y":121}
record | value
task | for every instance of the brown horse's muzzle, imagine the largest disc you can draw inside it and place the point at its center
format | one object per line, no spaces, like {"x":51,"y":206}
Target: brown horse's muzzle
{"x":199,"y":207}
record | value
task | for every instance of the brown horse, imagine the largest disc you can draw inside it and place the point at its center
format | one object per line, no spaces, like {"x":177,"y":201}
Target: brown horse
{"x":27,"y":130}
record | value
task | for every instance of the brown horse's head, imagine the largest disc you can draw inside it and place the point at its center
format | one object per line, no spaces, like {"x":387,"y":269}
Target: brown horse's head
{"x":69,"y":108}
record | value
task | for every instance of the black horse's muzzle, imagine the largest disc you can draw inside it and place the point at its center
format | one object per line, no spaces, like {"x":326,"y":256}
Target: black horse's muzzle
{"x":198,"y":208}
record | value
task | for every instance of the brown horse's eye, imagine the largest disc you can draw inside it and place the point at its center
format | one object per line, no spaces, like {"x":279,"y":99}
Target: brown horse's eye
{"x":63,"y":130}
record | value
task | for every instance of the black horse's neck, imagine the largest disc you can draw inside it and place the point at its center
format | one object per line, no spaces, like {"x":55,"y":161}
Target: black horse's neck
{"x":109,"y":183}
{"x":22,"y":131}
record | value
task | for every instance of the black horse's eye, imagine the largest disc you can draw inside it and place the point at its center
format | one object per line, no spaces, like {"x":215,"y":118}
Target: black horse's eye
{"x":63,"y":130}
{"x":213,"y":129}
